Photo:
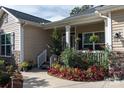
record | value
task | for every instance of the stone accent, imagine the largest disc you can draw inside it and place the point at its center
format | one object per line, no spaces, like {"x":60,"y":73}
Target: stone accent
{"x":117,"y":57}
{"x":17,"y":56}
{"x":117,"y":65}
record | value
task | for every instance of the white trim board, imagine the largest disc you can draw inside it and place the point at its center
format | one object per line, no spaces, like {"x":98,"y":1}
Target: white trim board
{"x":10,"y":14}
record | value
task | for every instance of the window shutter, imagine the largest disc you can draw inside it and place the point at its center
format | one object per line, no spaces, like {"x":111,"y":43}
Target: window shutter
{"x":13,"y":41}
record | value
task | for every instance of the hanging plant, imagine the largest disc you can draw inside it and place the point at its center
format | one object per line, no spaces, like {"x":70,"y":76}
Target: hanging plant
{"x":94,"y":38}
{"x":77,"y":39}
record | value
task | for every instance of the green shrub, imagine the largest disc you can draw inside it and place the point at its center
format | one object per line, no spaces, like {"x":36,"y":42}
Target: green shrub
{"x":71,"y":58}
{"x":56,"y":48}
{"x":2,"y":64}
{"x":4,"y":78}
{"x":24,"y":65}
{"x":10,"y":69}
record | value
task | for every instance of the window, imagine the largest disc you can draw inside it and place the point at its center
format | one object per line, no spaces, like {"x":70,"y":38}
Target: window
{"x":72,"y":40}
{"x":98,"y":45}
{"x":6,"y":44}
{"x":80,"y":41}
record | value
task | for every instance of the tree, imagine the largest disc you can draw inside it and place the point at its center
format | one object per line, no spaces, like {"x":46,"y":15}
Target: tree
{"x":75,"y":10}
{"x":56,"y":42}
{"x":78,"y":10}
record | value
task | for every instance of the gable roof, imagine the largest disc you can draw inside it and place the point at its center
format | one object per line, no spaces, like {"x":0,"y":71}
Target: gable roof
{"x":87,"y":16}
{"x":25,"y":16}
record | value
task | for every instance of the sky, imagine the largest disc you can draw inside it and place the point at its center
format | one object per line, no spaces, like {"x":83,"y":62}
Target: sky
{"x":49,"y":12}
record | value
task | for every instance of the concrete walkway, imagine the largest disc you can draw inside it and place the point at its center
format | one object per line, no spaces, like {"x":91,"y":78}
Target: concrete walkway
{"x":40,"y":79}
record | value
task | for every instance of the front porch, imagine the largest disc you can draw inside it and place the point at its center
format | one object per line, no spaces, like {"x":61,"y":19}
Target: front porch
{"x":77,"y":36}
{"x":80,"y":28}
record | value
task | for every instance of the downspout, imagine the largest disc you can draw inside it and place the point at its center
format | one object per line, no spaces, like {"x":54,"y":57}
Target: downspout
{"x":108,"y":28}
{"x":22,"y":41}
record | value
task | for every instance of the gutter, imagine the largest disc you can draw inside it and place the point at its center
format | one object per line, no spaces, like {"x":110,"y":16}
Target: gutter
{"x":108,"y":28}
{"x":22,"y":21}
{"x":100,"y":15}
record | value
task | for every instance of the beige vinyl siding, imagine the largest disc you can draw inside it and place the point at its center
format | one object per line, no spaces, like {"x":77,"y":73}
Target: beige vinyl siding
{"x":35,"y":41}
{"x":12,"y":26}
{"x":118,"y":26}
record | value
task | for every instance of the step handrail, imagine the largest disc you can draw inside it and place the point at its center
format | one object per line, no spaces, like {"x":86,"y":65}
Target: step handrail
{"x":41,"y":58}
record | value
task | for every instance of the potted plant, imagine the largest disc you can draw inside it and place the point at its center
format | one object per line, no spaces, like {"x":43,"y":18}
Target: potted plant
{"x":94,"y":39}
{"x":24,"y":66}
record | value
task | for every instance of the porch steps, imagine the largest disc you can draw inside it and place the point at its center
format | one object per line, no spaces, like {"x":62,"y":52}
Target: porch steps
{"x":46,"y":65}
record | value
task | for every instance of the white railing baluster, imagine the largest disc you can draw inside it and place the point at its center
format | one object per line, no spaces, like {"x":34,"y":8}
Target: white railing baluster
{"x":41,"y":58}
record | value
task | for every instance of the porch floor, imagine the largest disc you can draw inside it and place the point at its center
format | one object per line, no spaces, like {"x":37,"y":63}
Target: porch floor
{"x":40,"y":79}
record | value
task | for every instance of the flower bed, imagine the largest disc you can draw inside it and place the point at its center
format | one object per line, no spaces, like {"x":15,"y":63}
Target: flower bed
{"x":93,"y":73}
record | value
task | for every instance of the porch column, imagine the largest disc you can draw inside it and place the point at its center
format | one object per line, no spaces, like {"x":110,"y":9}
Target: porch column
{"x":108,"y":31}
{"x":67,"y":28}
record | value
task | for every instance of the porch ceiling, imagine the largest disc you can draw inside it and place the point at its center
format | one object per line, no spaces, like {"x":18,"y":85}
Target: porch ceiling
{"x":87,"y":27}
{"x":77,"y":21}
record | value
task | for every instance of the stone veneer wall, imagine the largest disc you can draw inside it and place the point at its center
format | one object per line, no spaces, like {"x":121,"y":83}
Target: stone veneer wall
{"x":117,"y":64}
{"x":16,"y":56}
{"x":117,"y":56}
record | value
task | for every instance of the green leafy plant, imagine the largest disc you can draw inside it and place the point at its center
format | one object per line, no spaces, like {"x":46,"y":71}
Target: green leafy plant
{"x":56,"y":42}
{"x":94,"y":38}
{"x":24,"y":65}
{"x":2,"y":65}
{"x":1,"y":62}
{"x":71,"y":58}
{"x":4,"y":78}
{"x":10,"y":69}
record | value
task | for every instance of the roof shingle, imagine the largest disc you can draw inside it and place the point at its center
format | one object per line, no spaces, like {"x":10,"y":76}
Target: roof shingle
{"x":25,"y":16}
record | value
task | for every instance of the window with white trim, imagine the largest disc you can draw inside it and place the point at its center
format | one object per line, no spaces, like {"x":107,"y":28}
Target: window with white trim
{"x":98,"y":45}
{"x":5,"y":44}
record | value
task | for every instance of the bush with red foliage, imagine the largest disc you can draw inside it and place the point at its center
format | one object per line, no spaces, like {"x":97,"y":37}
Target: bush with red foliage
{"x":93,"y":73}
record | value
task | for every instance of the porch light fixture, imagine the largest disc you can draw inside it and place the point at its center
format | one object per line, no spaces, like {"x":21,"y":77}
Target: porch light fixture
{"x":118,"y":35}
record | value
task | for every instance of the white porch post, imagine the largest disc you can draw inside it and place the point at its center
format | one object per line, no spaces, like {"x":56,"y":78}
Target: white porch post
{"x":67,"y":28}
{"x":108,"y":31}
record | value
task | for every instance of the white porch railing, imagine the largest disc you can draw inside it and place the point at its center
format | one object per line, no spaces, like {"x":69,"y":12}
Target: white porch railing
{"x":98,"y":57}
{"x":53,"y":58}
{"x":41,"y":58}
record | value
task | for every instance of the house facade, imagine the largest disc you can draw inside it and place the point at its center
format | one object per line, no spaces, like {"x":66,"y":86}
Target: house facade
{"x":25,"y":37}
{"x":22,"y":37}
